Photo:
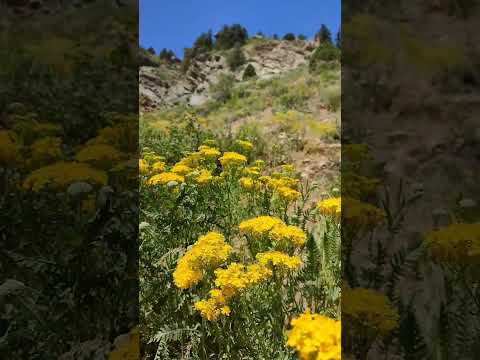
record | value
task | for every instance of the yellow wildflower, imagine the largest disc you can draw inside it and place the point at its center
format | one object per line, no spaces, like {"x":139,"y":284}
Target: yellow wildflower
{"x":143,"y":166}
{"x":279,"y":260}
{"x":259,"y":226}
{"x":370,"y":309}
{"x":359,"y":213}
{"x":287,"y":194}
{"x":165,"y":178}
{"x":232,"y":159}
{"x":62,"y":174}
{"x":331,"y":207}
{"x":181,"y":169}
{"x":46,"y":149}
{"x":99,"y":154}
{"x":288,"y":168}
{"x":208,"y":153}
{"x":315,"y":336}
{"x":245,"y":145}
{"x":456,"y":243}
{"x":204,"y":177}
{"x":158,"y":167}
{"x":209,"y":251}
{"x":251,"y":171}
{"x":288,"y":234}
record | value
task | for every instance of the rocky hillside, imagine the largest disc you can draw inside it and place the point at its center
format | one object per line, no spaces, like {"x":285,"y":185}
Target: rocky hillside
{"x":166,"y":85}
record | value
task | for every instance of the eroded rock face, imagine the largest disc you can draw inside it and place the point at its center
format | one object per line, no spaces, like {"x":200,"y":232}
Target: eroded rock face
{"x":167,"y":85}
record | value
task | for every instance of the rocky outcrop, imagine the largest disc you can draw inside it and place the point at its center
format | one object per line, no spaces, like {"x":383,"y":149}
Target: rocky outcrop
{"x":167,"y":85}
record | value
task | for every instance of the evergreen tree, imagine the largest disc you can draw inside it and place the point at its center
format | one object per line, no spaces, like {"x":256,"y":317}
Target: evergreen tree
{"x":339,"y":39}
{"x":228,"y":36}
{"x":151,"y":50}
{"x":324,"y":35}
{"x":275,"y":36}
{"x":301,"y":37}
{"x":289,"y":37}
{"x":249,"y":72}
{"x":203,"y":43}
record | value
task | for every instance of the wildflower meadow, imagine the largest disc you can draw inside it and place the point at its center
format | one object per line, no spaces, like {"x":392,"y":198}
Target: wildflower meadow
{"x":239,"y":259}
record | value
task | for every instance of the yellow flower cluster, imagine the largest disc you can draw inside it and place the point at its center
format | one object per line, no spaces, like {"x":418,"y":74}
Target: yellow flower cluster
{"x":273,"y":229}
{"x":157,"y":167}
{"x":287,"y":194}
{"x":9,"y":149}
{"x":215,"y":306}
{"x":208,"y":153}
{"x":181,"y":169}
{"x":456,"y":243}
{"x":232,"y":159}
{"x":370,"y":309}
{"x":62,"y":174}
{"x":238,"y":277}
{"x":208,"y":252}
{"x":143,"y":166}
{"x":245,"y":145}
{"x":204,"y":177}
{"x":279,"y":260}
{"x":316,"y":337}
{"x":360,"y":213}
{"x":330,"y":207}
{"x":231,"y":281}
{"x":165,"y":178}
{"x":46,"y":149}
{"x":99,"y":154}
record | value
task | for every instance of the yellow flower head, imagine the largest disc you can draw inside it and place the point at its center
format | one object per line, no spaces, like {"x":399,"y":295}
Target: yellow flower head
{"x":245,"y":145}
{"x":359,"y":213}
{"x":204,"y":177}
{"x":46,"y":149}
{"x":62,"y":174}
{"x":279,"y":260}
{"x":316,"y":337}
{"x":251,"y":171}
{"x":181,"y":169}
{"x":287,"y":194}
{"x":288,"y":235}
{"x":259,"y":226}
{"x":370,"y":309}
{"x":208,"y":252}
{"x":143,"y":167}
{"x":208,"y":153}
{"x":158,"y":167}
{"x":165,"y":178}
{"x":288,"y":168}
{"x":247,"y":183}
{"x":456,"y":243}
{"x":230,"y":159}
{"x":238,"y":277}
{"x":101,"y":154}
{"x":331,"y":207}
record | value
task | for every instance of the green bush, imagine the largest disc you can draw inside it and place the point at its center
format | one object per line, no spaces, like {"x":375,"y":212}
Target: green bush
{"x":249,"y":72}
{"x":325,"y":53}
{"x":289,"y":37}
{"x":235,"y":58}
{"x":223,"y":89}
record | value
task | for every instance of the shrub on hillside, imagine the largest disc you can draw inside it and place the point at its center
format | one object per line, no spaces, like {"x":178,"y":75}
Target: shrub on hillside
{"x":249,"y":72}
{"x":323,"y":35}
{"x":325,"y":53}
{"x":235,"y":58}
{"x":289,"y":37}
{"x":222,"y":90}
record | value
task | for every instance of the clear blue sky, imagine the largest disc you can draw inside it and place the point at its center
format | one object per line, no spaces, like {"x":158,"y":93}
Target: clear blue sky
{"x":175,"y":24}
